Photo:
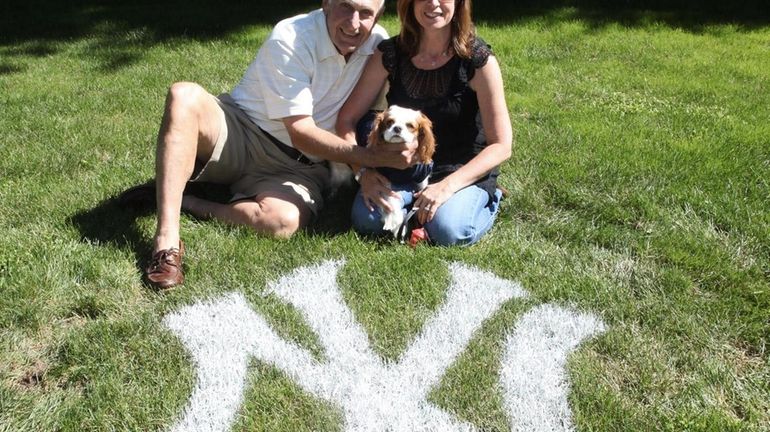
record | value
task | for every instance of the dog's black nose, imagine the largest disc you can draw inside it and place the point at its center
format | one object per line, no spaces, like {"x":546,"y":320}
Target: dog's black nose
{"x":397,"y":129}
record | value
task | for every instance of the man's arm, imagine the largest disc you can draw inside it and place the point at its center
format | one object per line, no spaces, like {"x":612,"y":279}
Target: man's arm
{"x":308,"y":138}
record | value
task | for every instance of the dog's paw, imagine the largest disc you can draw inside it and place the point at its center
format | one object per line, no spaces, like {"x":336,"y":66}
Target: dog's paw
{"x":392,"y":221}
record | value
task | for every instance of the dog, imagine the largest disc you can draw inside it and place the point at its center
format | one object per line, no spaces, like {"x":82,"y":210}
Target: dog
{"x":398,"y":125}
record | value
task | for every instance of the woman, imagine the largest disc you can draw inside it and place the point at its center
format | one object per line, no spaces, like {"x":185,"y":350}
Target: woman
{"x":439,"y":66}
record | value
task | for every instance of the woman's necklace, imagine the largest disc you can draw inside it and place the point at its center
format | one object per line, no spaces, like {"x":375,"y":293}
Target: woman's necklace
{"x":433,"y":60}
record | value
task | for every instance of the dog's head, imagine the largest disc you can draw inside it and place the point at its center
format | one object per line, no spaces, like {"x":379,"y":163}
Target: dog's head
{"x":398,"y":124}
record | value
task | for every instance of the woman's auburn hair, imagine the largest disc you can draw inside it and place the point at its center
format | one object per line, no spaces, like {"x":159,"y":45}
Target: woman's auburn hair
{"x":463,"y":30}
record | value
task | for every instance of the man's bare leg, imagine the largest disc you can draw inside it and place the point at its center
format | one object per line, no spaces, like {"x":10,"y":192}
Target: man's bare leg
{"x":273,"y":214}
{"x":190,"y":128}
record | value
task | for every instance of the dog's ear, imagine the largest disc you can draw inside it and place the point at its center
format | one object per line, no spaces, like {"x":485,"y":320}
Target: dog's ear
{"x":426,"y":141}
{"x":375,"y":136}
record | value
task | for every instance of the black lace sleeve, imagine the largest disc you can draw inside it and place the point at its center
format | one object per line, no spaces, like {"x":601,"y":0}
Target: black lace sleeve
{"x":388,"y":48}
{"x":480,"y":53}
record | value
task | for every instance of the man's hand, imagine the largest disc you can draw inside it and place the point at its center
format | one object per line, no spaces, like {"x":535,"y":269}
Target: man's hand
{"x":394,"y":155}
{"x":314,"y":141}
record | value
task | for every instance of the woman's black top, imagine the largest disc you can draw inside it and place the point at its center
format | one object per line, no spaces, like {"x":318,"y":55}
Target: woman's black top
{"x":445,"y":96}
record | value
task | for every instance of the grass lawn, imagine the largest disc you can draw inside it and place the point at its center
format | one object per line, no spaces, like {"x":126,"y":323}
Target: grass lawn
{"x":639,"y":193}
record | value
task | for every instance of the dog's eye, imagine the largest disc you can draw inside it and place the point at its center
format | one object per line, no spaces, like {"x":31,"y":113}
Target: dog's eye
{"x":389,"y":122}
{"x":411,"y":126}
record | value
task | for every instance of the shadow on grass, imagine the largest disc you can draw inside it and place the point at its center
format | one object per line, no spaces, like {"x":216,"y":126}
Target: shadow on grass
{"x":23,"y":20}
{"x":114,"y":223}
{"x":7,"y":69}
{"x":122,"y":30}
{"x":689,"y":15}
{"x":334,"y":218}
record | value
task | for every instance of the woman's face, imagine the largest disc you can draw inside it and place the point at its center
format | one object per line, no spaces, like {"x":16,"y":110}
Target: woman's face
{"x":434,"y":14}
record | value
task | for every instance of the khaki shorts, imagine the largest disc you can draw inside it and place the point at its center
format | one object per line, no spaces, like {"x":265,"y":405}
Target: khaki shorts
{"x":248,"y":161}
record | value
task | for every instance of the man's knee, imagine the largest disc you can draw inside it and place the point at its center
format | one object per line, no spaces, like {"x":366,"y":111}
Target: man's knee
{"x":184,"y":99}
{"x":287,"y":222}
{"x":191,"y":119}
{"x":276,"y":219}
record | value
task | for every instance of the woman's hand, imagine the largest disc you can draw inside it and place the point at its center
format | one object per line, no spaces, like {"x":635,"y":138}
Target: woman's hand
{"x":428,"y":200}
{"x":375,"y":190}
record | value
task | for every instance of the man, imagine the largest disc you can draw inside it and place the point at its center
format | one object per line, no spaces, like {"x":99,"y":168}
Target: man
{"x":266,"y":139}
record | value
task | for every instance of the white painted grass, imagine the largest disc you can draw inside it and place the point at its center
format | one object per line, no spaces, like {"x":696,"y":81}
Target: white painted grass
{"x":377,"y":396}
{"x":221,"y":336}
{"x":373,"y":395}
{"x":533,"y":372}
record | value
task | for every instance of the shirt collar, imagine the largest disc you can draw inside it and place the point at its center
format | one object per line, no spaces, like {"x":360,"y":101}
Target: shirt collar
{"x":326,"y":47}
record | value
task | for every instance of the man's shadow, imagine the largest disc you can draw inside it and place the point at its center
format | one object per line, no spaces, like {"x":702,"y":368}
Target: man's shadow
{"x":334,"y":217}
{"x":113,"y":222}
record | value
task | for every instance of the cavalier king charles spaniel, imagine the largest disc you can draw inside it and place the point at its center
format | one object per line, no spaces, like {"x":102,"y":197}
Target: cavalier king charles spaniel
{"x":398,"y":125}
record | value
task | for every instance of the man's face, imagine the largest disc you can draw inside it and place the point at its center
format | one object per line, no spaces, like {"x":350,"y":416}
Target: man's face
{"x":350,"y":22}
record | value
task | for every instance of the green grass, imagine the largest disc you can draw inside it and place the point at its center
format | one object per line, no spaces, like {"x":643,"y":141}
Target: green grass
{"x":639,"y":192}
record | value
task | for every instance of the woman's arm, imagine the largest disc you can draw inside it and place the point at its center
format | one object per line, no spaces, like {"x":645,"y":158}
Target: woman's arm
{"x":375,"y":188}
{"x":488,"y":85}
{"x":363,"y":96}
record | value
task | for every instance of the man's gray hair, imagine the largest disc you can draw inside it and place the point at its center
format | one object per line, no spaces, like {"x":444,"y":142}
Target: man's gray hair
{"x":333,"y":2}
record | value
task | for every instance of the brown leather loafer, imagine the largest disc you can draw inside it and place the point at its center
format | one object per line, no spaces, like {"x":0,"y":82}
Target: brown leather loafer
{"x":165,"y":269}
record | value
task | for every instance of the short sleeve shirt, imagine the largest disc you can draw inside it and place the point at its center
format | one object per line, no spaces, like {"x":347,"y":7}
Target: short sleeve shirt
{"x":298,"y":71}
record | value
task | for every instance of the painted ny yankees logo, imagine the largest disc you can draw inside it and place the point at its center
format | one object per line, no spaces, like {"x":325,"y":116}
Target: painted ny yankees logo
{"x":376,"y":395}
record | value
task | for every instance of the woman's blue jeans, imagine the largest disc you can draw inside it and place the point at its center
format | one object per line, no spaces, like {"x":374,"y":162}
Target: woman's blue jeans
{"x":462,"y":220}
